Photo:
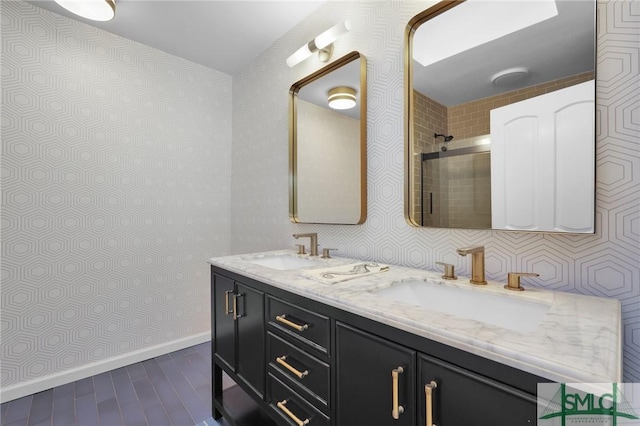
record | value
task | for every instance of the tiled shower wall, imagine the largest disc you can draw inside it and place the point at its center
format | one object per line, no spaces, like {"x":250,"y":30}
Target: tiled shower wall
{"x":429,"y":117}
{"x":455,"y":190}
{"x":604,"y":264}
{"x":116,"y":189}
{"x":468,"y":184}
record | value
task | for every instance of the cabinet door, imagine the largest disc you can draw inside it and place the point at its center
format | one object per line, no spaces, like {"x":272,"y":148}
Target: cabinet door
{"x":365,"y":383}
{"x":542,"y":157}
{"x":224,"y":343}
{"x":465,"y":398}
{"x":251,"y":337}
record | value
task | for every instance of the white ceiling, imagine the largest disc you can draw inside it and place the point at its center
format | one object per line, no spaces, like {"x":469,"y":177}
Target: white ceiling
{"x":226,"y":35}
{"x":556,"y":48}
{"x":223,"y":35}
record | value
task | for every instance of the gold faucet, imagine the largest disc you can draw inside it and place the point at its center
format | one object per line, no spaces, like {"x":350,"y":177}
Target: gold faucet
{"x":477,"y":263}
{"x":313,"y":250}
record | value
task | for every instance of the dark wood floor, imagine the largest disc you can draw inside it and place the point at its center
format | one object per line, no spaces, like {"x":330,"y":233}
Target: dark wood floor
{"x":171,"y":390}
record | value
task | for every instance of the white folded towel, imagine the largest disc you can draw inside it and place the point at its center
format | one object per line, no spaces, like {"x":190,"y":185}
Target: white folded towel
{"x":341,"y":273}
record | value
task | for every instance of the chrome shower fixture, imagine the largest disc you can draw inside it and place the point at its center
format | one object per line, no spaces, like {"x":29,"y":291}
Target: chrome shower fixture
{"x":447,"y":138}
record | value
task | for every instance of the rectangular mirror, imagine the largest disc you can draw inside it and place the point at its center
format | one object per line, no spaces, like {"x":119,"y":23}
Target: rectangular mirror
{"x":327,"y":144}
{"x":500,"y":116}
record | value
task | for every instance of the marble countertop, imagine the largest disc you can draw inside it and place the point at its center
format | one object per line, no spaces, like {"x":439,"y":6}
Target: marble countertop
{"x":579,"y":339}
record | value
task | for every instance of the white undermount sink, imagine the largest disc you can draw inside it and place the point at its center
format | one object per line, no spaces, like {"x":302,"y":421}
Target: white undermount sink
{"x":487,"y":307}
{"x":283,"y":262}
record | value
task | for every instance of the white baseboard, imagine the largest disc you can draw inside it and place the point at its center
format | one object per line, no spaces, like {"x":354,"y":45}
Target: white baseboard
{"x":40,"y":384}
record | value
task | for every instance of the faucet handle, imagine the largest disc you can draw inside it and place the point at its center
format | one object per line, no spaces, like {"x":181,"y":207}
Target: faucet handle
{"x":301,"y":249}
{"x":513,"y":280}
{"x":325,"y":253}
{"x":449,"y":271}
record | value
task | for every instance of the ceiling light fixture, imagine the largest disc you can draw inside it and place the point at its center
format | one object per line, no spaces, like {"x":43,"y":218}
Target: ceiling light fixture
{"x":323,"y":44}
{"x":96,"y":10}
{"x":342,"y":97}
{"x":511,"y":77}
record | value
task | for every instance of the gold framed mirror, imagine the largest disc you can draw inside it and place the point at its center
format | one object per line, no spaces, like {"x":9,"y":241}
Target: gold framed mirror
{"x":328,"y":144}
{"x":500,"y":116}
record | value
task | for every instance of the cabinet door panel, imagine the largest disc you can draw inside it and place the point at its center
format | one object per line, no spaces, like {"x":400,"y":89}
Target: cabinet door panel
{"x":465,"y":398}
{"x":364,"y":385}
{"x":542,"y":156}
{"x":224,"y":343}
{"x":251,"y":337}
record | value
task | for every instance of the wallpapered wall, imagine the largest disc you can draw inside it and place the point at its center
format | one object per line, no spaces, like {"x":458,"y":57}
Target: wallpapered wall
{"x":116,"y":175}
{"x":604,"y":264}
{"x":119,"y":181}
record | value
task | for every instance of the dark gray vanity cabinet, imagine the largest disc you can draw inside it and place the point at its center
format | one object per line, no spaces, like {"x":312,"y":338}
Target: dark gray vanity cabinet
{"x":457,"y":396}
{"x":302,"y":362}
{"x":375,"y":380}
{"x":238,"y":330}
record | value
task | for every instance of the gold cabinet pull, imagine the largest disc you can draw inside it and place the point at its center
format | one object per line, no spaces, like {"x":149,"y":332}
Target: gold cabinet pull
{"x":428,"y":391}
{"x":301,"y":374}
{"x":235,"y":307}
{"x":396,"y":409}
{"x":283,"y":319}
{"x":226,"y":302}
{"x":282,"y":405}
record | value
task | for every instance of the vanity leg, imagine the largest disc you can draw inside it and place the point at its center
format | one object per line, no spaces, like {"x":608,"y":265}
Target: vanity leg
{"x":216,"y":388}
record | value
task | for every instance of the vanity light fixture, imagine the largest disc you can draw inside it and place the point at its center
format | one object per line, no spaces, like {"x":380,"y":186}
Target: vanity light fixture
{"x":323,"y":44}
{"x":342,"y":97}
{"x":96,"y":10}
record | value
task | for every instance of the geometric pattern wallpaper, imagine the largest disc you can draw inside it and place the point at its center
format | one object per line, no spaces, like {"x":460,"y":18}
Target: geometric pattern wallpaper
{"x":116,"y":180}
{"x":606,"y":263}
{"x":119,"y":181}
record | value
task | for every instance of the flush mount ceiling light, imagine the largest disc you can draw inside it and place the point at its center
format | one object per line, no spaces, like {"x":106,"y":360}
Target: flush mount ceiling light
{"x":342,"y":97}
{"x":511,"y":77}
{"x":323,"y":44}
{"x":96,"y":10}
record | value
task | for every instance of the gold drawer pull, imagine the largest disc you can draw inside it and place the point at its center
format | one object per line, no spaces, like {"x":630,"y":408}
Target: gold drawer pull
{"x":296,"y":420}
{"x":428,"y":390}
{"x":281,"y":360}
{"x":226,"y":302}
{"x":235,"y":306}
{"x":396,"y":409}
{"x":283,"y":319}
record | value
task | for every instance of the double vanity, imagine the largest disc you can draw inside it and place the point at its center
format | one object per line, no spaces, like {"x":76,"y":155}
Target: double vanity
{"x":492,"y":137}
{"x":336,"y":341}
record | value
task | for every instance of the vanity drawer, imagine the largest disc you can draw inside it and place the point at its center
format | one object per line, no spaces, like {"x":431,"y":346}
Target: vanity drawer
{"x":309,"y":327}
{"x":301,"y":368}
{"x":291,"y":406}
